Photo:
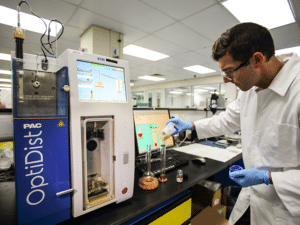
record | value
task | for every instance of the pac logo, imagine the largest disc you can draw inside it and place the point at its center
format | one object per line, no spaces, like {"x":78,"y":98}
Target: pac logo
{"x":101,"y":59}
{"x":61,"y":124}
{"x":32,"y":125}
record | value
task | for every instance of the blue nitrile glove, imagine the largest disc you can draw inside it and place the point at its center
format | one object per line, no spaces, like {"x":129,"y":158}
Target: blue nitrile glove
{"x":235,"y":168}
{"x":182,"y":125}
{"x":249,"y":177}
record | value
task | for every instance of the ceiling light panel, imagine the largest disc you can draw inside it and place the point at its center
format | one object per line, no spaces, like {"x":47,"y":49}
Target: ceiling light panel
{"x":152,"y":78}
{"x":5,"y":80}
{"x":143,"y":53}
{"x":5,"y":85}
{"x":199,"y":69}
{"x":268,"y":13}
{"x":5,"y":72}
{"x":6,"y":57}
{"x":175,"y":92}
{"x":288,"y":50}
{"x":27,"y":21}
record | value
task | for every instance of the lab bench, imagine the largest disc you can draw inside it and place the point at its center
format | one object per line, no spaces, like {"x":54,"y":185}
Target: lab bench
{"x":141,"y":202}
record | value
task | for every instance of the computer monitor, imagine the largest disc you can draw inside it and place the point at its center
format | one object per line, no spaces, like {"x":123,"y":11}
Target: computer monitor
{"x":100,"y":83}
{"x":148,"y":124}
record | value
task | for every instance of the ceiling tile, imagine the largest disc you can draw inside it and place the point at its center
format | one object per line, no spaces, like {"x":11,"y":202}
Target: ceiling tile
{"x":179,"y":9}
{"x":160,"y":45}
{"x":134,"y":61}
{"x":84,"y":19}
{"x":185,"y":74}
{"x":206,"y":51}
{"x":64,"y":44}
{"x":183,"y":36}
{"x":76,"y":2}
{"x":212,"y":65}
{"x":3,"y":49}
{"x":45,"y":9}
{"x":32,"y":41}
{"x":72,"y":34}
{"x":282,"y":40}
{"x":149,"y":69}
{"x":157,"y":65}
{"x":131,"y":12}
{"x":5,"y":76}
{"x":31,"y":48}
{"x":7,"y":31}
{"x":193,"y":58}
{"x":5,"y":65}
{"x":188,"y":41}
{"x":211,"y":22}
{"x":6,"y":42}
{"x":175,"y":63}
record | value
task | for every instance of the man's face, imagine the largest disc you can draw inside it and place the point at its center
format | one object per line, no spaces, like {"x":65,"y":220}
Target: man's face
{"x":244,"y":78}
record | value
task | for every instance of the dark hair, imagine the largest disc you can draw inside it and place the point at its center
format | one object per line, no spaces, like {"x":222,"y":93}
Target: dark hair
{"x":242,"y":41}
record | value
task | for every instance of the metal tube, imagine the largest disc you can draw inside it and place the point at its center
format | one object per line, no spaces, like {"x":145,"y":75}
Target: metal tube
{"x":163,"y":160}
{"x":149,"y":159}
{"x":64,"y":192}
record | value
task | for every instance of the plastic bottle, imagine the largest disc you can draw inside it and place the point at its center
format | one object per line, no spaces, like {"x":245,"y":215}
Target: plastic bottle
{"x":169,"y":130}
{"x":179,"y":177}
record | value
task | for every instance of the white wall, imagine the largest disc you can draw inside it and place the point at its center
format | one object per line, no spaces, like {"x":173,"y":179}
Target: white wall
{"x":192,"y":115}
{"x":180,"y":83}
{"x":178,"y":101}
{"x":182,"y":101}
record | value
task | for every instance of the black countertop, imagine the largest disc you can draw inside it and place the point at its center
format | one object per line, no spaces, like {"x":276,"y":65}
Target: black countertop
{"x":140,"y":202}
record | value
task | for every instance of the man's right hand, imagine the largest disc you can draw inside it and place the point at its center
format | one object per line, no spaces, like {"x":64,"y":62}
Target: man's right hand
{"x":182,"y":125}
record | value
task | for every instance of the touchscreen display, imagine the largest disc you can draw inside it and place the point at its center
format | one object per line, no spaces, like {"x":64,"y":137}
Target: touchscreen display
{"x":100,"y":83}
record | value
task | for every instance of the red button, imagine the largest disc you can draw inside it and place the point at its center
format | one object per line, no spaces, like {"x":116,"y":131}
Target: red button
{"x":124,"y":191}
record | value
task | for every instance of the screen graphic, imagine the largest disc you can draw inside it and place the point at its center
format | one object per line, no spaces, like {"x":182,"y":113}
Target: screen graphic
{"x":148,"y":125}
{"x":100,"y":83}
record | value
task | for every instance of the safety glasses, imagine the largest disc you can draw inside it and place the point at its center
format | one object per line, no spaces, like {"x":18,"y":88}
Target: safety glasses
{"x":230,"y":74}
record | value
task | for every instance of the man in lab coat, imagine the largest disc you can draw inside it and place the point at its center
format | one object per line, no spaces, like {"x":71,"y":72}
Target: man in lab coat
{"x":267,"y":111}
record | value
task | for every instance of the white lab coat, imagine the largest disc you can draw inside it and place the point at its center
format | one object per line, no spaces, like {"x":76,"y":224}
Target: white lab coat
{"x":269,"y":120}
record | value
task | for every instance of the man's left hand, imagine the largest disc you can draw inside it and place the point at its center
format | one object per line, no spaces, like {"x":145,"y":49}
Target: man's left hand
{"x":249,"y":177}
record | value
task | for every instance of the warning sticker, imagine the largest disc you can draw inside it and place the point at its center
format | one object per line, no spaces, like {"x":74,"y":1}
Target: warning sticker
{"x":61,"y":124}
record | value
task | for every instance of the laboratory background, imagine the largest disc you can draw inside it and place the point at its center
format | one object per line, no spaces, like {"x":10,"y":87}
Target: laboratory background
{"x":79,"y":99}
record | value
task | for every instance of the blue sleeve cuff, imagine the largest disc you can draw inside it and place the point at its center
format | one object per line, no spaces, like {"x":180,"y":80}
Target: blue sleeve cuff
{"x":266,"y":178}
